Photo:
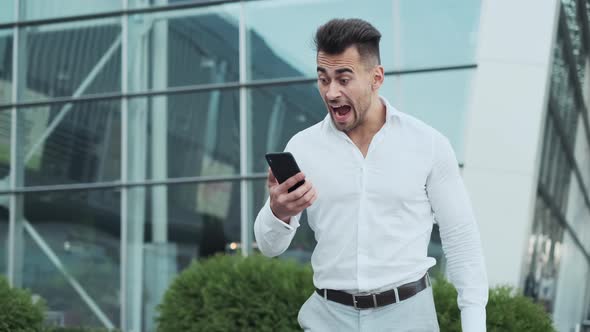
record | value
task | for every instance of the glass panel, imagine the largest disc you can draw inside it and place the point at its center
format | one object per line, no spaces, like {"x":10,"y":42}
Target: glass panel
{"x":150,"y":3}
{"x":70,"y":143}
{"x":39,"y":9}
{"x":412,"y":37}
{"x":73,"y":238}
{"x":4,"y":217}
{"x":5,"y":140}
{"x":173,"y":225}
{"x":6,"y":11}
{"x":279,"y":112}
{"x":543,"y":257}
{"x":186,"y":47}
{"x":5,"y":66}
{"x":72,"y":59}
{"x":184,"y":135}
{"x":446,"y":106}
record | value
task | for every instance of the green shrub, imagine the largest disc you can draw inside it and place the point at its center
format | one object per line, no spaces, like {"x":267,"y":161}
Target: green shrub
{"x":506,"y":311}
{"x":78,"y":329}
{"x":232,"y":293}
{"x":17,"y":310}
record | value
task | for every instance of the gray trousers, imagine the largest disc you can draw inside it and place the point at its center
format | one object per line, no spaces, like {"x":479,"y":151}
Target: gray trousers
{"x":416,"y":314}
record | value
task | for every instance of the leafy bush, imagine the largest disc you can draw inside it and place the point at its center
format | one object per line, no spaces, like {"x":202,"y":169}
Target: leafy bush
{"x":18,"y":312}
{"x":233,"y":293}
{"x":78,"y":329}
{"x":506,"y":311}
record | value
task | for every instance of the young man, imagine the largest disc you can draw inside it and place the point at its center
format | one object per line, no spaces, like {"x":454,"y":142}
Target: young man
{"x":375,"y":181}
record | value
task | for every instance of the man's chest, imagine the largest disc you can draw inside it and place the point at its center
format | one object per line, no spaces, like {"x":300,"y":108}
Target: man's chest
{"x":388,"y":175}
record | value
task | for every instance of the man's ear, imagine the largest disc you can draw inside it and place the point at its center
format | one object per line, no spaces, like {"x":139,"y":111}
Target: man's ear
{"x":378,"y":75}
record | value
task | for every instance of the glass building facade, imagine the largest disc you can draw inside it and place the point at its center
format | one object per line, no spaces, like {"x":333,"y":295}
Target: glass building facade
{"x":133,"y":133}
{"x":560,"y":225}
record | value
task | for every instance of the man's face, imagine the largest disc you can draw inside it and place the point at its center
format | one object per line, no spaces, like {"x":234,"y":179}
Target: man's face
{"x":345,"y":84}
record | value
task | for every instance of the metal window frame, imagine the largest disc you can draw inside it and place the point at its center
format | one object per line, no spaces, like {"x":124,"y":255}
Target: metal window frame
{"x":213,"y":86}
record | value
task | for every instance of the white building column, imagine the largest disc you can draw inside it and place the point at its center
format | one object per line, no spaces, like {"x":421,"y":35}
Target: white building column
{"x":504,"y":127}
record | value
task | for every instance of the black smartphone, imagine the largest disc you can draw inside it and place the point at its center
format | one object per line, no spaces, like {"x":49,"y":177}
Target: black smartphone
{"x":283,"y":166}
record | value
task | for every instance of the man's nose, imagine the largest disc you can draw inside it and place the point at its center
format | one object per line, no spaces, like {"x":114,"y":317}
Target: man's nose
{"x":333,"y":91}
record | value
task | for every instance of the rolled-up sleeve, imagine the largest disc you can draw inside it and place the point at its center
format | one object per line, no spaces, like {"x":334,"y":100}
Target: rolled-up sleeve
{"x":459,"y":234}
{"x":273,"y":235}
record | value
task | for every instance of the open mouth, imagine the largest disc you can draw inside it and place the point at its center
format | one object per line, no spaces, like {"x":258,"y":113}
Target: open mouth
{"x":341,"y":112}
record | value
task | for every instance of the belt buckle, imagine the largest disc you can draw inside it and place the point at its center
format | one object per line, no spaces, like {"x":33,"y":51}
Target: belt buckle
{"x":355,"y":302}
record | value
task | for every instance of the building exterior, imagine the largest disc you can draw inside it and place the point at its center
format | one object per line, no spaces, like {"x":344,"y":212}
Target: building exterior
{"x":133,"y":134}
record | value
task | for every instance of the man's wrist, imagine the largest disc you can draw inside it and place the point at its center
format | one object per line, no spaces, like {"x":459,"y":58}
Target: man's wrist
{"x":286,"y":220}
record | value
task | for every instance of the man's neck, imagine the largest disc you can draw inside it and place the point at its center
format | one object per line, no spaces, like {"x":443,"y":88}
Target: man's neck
{"x":363,"y":134}
{"x":373,"y":122}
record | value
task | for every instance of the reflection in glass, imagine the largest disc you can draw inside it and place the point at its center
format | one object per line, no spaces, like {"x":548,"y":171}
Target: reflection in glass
{"x":72,"y":59}
{"x":200,"y":220}
{"x":73,"y":239}
{"x":543,"y":257}
{"x":5,"y":66}
{"x":184,"y":135}
{"x":279,"y":112}
{"x":440,"y":99}
{"x":4,"y":217}
{"x":72,"y":142}
{"x":187,"y":47}
{"x":412,"y":37}
{"x":5,"y":139}
{"x":39,"y":9}
{"x":6,"y":11}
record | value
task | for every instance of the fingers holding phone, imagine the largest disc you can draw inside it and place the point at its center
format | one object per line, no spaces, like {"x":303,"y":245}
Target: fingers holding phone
{"x":285,"y":204}
{"x":290,"y":192}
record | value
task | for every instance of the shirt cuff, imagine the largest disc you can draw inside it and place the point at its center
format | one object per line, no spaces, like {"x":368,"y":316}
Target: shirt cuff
{"x":473,"y":319}
{"x":279,"y":226}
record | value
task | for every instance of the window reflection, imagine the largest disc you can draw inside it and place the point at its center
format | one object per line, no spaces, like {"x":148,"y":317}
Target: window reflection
{"x":71,"y":59}
{"x":187,"y":47}
{"x":68,"y":247}
{"x":71,"y":142}
{"x":544,"y":255}
{"x":39,"y":9}
{"x":170,"y":226}
{"x":4,"y":215}
{"x":5,"y":67}
{"x":184,"y":135}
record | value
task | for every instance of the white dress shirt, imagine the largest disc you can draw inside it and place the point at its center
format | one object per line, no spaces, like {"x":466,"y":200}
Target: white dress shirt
{"x":373,"y":215}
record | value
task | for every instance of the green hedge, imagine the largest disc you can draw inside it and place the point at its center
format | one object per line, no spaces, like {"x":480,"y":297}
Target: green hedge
{"x":17,"y":310}
{"x":78,"y":329}
{"x":232,"y":293}
{"x":506,"y":310}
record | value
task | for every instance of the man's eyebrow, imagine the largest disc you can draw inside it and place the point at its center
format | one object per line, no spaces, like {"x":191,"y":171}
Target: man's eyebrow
{"x":338,"y":71}
{"x":344,"y":70}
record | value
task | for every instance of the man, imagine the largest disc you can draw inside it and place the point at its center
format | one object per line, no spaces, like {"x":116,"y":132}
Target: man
{"x":376,"y":180}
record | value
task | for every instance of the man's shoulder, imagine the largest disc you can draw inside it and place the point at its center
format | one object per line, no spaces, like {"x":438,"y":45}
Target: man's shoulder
{"x":418,"y":126}
{"x":307,"y":135}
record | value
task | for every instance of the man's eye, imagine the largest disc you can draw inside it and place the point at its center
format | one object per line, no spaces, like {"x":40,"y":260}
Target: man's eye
{"x":344,"y":81}
{"x":323,"y":80}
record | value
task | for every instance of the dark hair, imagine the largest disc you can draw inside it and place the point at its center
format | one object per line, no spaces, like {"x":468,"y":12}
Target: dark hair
{"x":338,"y":34}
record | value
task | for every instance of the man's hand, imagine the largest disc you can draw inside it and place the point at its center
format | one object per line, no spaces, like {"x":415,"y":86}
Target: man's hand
{"x":285,"y":204}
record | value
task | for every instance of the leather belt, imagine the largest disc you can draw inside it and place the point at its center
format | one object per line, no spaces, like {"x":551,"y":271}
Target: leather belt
{"x":375,"y":300}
